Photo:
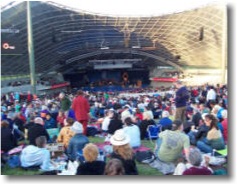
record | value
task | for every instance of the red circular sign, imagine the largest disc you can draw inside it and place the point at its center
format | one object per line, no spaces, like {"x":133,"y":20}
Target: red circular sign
{"x":5,"y":46}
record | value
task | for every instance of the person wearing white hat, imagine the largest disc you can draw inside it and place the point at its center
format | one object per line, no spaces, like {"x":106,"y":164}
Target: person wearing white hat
{"x":123,"y":151}
{"x":77,"y":142}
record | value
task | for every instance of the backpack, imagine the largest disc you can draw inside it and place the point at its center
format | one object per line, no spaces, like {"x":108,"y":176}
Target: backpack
{"x":91,"y":131}
{"x":145,"y":157}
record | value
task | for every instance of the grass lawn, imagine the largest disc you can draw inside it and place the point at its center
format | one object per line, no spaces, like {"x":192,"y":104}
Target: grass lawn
{"x":143,"y":169}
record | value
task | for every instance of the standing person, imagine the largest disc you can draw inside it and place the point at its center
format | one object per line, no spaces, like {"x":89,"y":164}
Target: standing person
{"x":81,"y":108}
{"x":65,"y":103}
{"x":211,"y":96}
{"x":181,"y":98}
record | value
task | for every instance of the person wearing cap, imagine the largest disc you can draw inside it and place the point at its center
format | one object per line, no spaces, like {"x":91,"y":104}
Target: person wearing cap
{"x":77,"y":142}
{"x":81,"y":107}
{"x":171,"y":143}
{"x":123,"y":151}
{"x":37,"y":130}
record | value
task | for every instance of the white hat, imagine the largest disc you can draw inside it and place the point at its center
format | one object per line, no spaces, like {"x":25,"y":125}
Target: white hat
{"x":39,"y":120}
{"x":203,"y":115}
{"x":77,"y":127}
{"x":128,"y":106}
{"x":119,"y":138}
{"x":165,"y":114}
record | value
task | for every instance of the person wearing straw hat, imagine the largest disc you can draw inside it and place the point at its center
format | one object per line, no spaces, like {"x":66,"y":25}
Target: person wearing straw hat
{"x":123,"y":151}
{"x":77,"y":142}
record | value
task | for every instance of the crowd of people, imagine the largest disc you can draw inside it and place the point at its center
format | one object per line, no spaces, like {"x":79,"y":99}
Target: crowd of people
{"x":193,"y":120}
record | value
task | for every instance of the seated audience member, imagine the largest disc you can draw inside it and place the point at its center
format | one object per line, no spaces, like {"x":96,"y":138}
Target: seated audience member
{"x":203,"y":109}
{"x":171,"y":143}
{"x":199,"y":132}
{"x":36,"y":156}
{"x":91,"y":166}
{"x":8,"y":141}
{"x":195,"y":166}
{"x":106,"y":121}
{"x":196,"y":117}
{"x":138,"y":114}
{"x":30,"y":123}
{"x":147,"y":120}
{"x":44,"y":111}
{"x":66,"y":133}
{"x":126,"y":112}
{"x":49,"y":122}
{"x":37,"y":130}
{"x":225,"y":125}
{"x":60,"y":119}
{"x":123,"y":152}
{"x":77,"y":142}
{"x":216,"y":110}
{"x":114,"y":167}
{"x":133,"y":132}
{"x":214,"y":138}
{"x":165,"y":121}
{"x":115,"y":124}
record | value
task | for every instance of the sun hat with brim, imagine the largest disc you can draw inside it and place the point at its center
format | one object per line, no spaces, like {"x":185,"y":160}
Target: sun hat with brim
{"x":77,"y":127}
{"x":119,"y":138}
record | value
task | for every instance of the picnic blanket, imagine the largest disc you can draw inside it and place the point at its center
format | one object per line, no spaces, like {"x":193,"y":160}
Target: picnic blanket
{"x":106,"y":144}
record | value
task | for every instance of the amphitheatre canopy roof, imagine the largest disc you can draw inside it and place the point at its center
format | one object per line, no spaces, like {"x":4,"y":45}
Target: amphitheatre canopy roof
{"x":66,"y":39}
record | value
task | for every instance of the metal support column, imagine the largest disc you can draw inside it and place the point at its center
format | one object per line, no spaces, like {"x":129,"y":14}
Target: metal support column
{"x":31,"y":49}
{"x":224,"y":46}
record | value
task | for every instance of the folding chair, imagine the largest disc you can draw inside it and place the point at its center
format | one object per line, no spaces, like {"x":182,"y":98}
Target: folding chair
{"x":153,"y":132}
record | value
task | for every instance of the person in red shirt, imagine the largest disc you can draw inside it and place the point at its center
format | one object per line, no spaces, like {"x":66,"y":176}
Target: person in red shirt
{"x":60,"y":119}
{"x":225,"y":125}
{"x":81,"y":108}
